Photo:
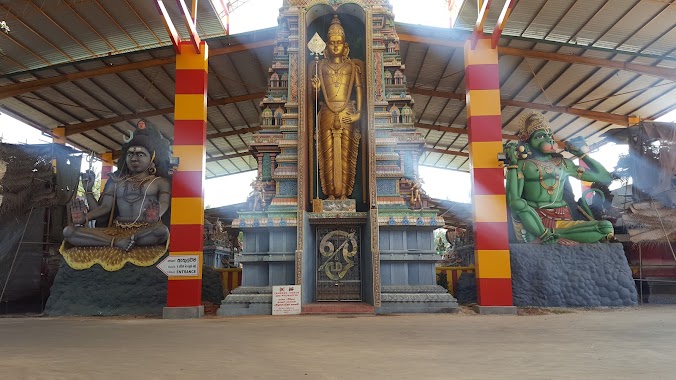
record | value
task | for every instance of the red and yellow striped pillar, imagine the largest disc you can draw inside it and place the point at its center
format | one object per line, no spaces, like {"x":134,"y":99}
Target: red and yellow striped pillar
{"x":106,"y":169}
{"x":187,"y":201}
{"x":491,"y":243}
{"x":58,"y":137}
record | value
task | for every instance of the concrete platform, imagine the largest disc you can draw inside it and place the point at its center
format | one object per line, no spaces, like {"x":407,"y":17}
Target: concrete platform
{"x":495,"y":310}
{"x":338,"y":308}
{"x":183,"y":312}
{"x":619,"y":344}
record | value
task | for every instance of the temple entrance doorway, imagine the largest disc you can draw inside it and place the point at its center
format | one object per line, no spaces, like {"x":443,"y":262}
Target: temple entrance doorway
{"x":338,"y":263}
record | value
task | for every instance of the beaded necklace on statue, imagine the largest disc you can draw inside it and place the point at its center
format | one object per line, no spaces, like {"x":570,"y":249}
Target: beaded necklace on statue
{"x":334,"y":76}
{"x":550,"y":167}
{"x":335,"y":73}
{"x":134,"y":184}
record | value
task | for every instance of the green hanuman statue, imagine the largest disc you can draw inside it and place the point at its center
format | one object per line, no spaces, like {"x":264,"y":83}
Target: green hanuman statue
{"x":536,"y":175}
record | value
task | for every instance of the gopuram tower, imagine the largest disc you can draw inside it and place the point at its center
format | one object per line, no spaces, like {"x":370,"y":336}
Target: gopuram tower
{"x":339,"y":207}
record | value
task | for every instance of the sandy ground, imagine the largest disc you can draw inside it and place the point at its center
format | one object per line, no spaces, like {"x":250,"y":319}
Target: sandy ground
{"x":624,"y":343}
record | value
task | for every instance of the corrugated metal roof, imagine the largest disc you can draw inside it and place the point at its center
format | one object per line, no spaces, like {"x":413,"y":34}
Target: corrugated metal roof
{"x":625,"y":25}
{"x":55,"y":32}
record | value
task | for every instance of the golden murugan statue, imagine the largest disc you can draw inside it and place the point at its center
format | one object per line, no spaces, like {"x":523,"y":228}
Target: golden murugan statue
{"x":337,"y":78}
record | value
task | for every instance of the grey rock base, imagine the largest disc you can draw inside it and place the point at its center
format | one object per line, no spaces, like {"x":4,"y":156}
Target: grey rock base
{"x":416,"y":299}
{"x":212,"y":287}
{"x":131,"y":290}
{"x":187,"y":312}
{"x":247,"y":300}
{"x":587,"y":275}
{"x":495,"y":310}
{"x":465,"y":292}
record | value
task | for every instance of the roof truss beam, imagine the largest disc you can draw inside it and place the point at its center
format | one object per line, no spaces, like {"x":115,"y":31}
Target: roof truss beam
{"x":659,"y":72}
{"x":243,"y":154}
{"x":478,"y":32}
{"x":169,"y":26}
{"x":228,"y":156}
{"x":235,"y":132}
{"x":190,"y":19}
{"x":606,"y":117}
{"x":20,"y":88}
{"x":444,"y":151}
{"x":90,"y":125}
{"x":462,"y":131}
{"x":502,"y":20}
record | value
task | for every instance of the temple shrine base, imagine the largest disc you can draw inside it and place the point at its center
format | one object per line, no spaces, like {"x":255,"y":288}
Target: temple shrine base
{"x":185,"y":312}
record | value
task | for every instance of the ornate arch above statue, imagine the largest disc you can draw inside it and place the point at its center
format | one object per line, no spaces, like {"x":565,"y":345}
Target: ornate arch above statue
{"x":322,"y":10}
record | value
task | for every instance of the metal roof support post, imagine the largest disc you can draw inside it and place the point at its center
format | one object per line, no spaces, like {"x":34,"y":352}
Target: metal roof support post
{"x":489,"y":206}
{"x":169,"y":26}
{"x":483,"y":6}
{"x":502,"y":20}
{"x":190,"y":24}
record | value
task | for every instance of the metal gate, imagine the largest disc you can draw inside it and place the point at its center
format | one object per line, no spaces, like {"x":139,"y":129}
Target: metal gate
{"x":338,"y":269}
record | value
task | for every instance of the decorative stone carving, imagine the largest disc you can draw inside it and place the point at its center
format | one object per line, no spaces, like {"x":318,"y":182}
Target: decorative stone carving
{"x":339,"y":205}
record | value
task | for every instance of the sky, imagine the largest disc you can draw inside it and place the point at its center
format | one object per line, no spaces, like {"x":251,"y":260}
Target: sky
{"x":249,"y":17}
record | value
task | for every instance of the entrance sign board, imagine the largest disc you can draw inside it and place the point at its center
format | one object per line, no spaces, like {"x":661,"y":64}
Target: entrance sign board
{"x":286,"y":300}
{"x":180,"y":265}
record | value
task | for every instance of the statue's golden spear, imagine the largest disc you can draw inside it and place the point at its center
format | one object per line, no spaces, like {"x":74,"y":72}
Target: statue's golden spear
{"x":316,"y":46}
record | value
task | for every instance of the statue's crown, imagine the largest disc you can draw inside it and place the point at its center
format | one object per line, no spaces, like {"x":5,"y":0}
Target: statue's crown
{"x":336,"y":29}
{"x":531,"y":122}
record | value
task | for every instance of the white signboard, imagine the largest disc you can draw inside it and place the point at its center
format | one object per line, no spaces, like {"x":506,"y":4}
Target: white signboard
{"x":180,"y":265}
{"x":286,"y":300}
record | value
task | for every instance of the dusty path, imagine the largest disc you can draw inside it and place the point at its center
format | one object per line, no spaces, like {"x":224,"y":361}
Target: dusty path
{"x":629,"y":343}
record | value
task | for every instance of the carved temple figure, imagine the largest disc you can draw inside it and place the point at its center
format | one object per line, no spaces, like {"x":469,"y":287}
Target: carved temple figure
{"x":536,"y":175}
{"x":256,"y":198}
{"x":133,"y":202}
{"x":417,"y":192}
{"x":441,"y":246}
{"x":233,"y":238}
{"x":338,"y":82}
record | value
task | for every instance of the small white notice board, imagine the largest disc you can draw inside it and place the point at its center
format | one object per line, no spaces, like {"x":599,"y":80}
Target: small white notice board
{"x":180,"y":265}
{"x":286,"y":300}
